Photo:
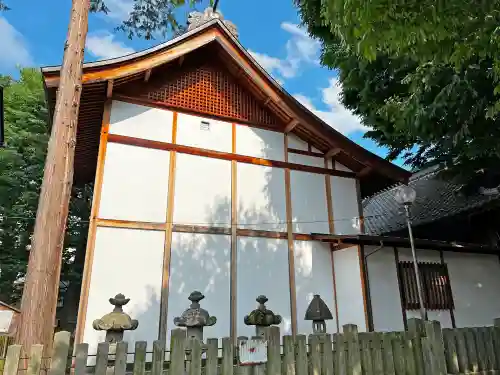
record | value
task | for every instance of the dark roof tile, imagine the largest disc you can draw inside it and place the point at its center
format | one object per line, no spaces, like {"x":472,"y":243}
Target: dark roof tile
{"x":436,"y":199}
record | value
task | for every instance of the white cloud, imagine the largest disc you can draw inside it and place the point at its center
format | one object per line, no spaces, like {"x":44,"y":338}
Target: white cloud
{"x":336,"y":115}
{"x":103,"y":46}
{"x":300,"y":49}
{"x":275,"y":66}
{"x":301,"y":46}
{"x":14,"y":50}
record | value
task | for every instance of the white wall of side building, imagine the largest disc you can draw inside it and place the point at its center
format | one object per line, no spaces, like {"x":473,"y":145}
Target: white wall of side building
{"x":474,"y":280}
{"x":135,"y":188}
{"x":349,"y":286}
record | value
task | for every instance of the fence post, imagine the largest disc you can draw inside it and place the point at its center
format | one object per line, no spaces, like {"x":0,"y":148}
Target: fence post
{"x":354,"y":359}
{"x":433,"y":349}
{"x":416,"y":331}
{"x":60,"y":351}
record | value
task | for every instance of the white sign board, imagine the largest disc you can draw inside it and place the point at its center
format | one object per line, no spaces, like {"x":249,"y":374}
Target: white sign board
{"x":5,"y":320}
{"x":252,"y":352}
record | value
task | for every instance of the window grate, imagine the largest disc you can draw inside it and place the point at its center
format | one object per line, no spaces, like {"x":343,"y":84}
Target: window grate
{"x":436,"y":289}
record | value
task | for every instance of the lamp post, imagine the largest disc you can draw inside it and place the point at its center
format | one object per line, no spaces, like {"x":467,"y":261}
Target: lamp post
{"x":406,"y":196}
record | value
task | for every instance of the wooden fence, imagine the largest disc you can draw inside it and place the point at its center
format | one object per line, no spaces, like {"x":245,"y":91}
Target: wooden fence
{"x":425,"y":349}
{"x":5,"y":341}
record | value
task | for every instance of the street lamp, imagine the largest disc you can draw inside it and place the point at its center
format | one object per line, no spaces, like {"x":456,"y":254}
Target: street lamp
{"x":406,"y":196}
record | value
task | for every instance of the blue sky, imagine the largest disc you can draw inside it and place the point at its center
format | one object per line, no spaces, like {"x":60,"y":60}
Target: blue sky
{"x":33,"y":33}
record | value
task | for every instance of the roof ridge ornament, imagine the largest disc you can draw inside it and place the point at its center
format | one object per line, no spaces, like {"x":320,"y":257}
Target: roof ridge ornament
{"x":196,"y":19}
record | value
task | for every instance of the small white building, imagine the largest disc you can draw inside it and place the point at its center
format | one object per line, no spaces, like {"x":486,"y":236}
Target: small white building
{"x":210,"y":177}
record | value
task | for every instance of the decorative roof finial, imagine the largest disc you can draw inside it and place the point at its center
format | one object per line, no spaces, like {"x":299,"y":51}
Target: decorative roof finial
{"x":196,"y":19}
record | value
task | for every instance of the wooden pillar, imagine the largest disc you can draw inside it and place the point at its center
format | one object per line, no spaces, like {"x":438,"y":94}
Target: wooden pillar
{"x":38,"y":308}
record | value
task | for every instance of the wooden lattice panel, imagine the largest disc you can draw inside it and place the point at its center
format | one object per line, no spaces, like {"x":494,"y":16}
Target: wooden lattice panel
{"x":209,"y":89}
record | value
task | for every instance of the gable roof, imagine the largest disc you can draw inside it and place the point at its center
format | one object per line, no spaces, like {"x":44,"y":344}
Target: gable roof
{"x":98,"y":77}
{"x":436,"y":199}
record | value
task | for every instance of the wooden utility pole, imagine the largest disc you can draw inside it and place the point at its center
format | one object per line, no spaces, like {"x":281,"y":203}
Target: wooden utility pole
{"x":39,"y":302}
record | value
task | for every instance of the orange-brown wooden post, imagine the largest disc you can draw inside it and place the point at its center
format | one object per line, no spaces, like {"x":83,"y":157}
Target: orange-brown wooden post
{"x":38,"y":307}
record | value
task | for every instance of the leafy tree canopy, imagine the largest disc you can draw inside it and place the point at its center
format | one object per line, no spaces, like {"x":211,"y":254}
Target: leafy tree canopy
{"x":454,"y":31}
{"x":426,"y":107}
{"x":21,"y":170}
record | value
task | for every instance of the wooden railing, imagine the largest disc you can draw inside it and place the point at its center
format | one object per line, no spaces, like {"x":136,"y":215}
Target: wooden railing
{"x":425,"y":349}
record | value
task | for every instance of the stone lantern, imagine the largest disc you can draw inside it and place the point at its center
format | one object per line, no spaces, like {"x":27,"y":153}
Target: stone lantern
{"x":261,"y":317}
{"x":117,"y":321}
{"x":195,"y":318}
{"x":318,"y":312}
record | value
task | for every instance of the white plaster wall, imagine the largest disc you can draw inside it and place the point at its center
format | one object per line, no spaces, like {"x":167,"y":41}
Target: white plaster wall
{"x":190,"y":133}
{"x":261,"y":197}
{"x":384,"y":289}
{"x":296,"y":142}
{"x":138,"y":121}
{"x":309,"y":207}
{"x":135,"y":184}
{"x":313,"y":275}
{"x":262,"y":269}
{"x":348,"y":283}
{"x":475,"y":281}
{"x":345,"y":205}
{"x":313,"y":161}
{"x":260,"y":143}
{"x":128,"y":261}
{"x":202,"y":191}
{"x":200,"y":262}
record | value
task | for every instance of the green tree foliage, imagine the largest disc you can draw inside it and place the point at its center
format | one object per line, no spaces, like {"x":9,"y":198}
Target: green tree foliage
{"x":426,"y":107}
{"x":149,"y":17}
{"x":21,"y":170}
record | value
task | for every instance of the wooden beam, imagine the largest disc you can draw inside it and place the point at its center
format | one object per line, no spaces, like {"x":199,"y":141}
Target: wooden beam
{"x":127,"y":224}
{"x":109,"y":89}
{"x":291,"y":125}
{"x":291,"y":245}
{"x":167,"y":250}
{"x":267,"y":101}
{"x":225,"y":155}
{"x":331,"y":228}
{"x":364,"y":280}
{"x":41,"y":287}
{"x":130,"y":67}
{"x":307,"y":153}
{"x":147,"y":75}
{"x":234,"y":240}
{"x":332,"y":152}
{"x":400,"y":287}
{"x":96,"y":201}
{"x":241,"y":232}
{"x":360,"y":207}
